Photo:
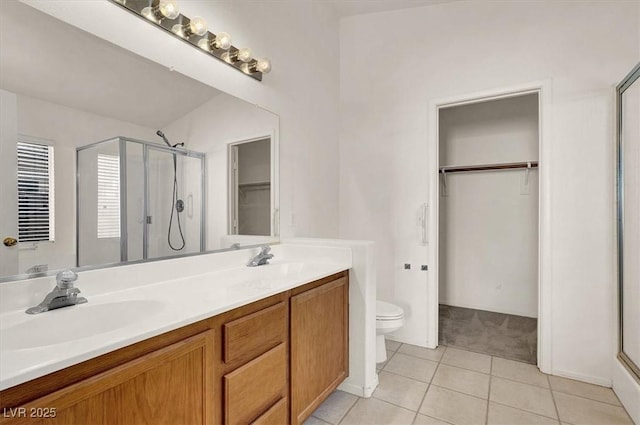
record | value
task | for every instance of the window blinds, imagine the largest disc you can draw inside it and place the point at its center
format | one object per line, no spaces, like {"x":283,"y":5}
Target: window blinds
{"x":36,"y":212}
{"x":108,"y":196}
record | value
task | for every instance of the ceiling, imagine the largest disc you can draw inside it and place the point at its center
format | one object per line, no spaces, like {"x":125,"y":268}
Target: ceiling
{"x":47,"y":59}
{"x":361,"y":7}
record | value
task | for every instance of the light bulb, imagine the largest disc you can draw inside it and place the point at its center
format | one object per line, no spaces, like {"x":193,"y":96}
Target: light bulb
{"x":222,"y":41}
{"x":179,"y":30}
{"x":263,"y":65}
{"x":169,"y":9}
{"x":148,"y":13}
{"x":204,"y":44}
{"x":198,"y":26}
{"x":244,"y":54}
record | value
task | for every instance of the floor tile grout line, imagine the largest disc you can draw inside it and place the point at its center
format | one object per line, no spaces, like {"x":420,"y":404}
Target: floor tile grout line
{"x":520,"y":382}
{"x":523,"y":410}
{"x":553,"y":398}
{"x":459,"y":392}
{"x":441,"y":420}
{"x":349,"y":410}
{"x":418,"y":357}
{"x":430,"y":381}
{"x":397,"y":405}
{"x":486,"y":418}
{"x":464,"y":368}
{"x":458,"y":347}
{"x":383,"y":401}
{"x":404,"y":376}
{"x":586,"y":398}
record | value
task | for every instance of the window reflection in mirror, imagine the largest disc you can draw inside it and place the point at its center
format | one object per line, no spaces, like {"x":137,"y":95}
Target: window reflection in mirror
{"x":76,"y":90}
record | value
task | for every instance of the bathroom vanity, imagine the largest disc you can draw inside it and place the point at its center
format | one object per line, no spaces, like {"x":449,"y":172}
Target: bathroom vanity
{"x":272,"y":361}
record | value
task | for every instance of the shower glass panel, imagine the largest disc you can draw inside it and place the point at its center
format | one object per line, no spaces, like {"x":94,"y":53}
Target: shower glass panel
{"x":127,"y":207}
{"x":98,"y":217}
{"x":629,"y":219}
{"x":174,"y":215}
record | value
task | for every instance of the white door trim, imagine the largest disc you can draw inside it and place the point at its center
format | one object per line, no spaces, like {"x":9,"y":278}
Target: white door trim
{"x":543,"y":88}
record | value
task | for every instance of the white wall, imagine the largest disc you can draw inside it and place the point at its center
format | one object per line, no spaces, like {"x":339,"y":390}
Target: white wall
{"x":489,"y":220}
{"x":443,"y":50}
{"x":209,"y":129}
{"x":9,"y":179}
{"x":301,"y":38}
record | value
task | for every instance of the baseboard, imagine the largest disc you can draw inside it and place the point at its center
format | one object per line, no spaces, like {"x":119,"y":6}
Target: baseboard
{"x":627,"y":389}
{"x":404,"y":340}
{"x":358,"y":390}
{"x":584,"y":378}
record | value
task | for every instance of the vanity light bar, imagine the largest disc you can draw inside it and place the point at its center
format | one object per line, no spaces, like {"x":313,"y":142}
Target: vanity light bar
{"x":165,"y":14}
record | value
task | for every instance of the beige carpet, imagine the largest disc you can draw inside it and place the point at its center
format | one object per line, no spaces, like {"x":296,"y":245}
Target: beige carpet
{"x":502,"y":335}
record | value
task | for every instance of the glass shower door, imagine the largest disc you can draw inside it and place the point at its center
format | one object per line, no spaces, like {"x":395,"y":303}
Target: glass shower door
{"x":629,"y":219}
{"x":174,"y":203}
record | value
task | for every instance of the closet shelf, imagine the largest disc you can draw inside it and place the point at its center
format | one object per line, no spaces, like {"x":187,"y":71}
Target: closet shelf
{"x":488,"y":167}
{"x":254,"y":184}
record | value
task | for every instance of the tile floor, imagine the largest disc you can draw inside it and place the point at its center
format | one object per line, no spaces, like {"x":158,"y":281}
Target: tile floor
{"x":419,"y":386}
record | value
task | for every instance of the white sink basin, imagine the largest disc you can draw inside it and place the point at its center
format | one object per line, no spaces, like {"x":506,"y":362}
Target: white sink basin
{"x":77,"y":322}
{"x":277,"y":270}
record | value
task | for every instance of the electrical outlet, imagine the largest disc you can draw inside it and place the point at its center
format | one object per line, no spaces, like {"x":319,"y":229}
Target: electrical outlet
{"x":424,"y":267}
{"x":407,"y":266}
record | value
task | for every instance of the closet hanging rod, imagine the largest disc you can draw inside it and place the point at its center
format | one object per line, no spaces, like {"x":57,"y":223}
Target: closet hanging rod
{"x":486,"y":167}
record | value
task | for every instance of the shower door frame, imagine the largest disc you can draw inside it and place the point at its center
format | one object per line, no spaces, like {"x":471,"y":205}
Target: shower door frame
{"x":122,"y":155}
{"x":628,"y":81}
{"x":543,"y":89}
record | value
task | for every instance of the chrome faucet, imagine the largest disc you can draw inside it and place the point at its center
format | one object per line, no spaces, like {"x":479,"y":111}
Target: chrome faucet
{"x":63,"y":295}
{"x":262,"y":258}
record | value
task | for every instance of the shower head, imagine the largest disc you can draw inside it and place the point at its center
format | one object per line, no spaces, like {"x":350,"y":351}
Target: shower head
{"x":161,"y":134}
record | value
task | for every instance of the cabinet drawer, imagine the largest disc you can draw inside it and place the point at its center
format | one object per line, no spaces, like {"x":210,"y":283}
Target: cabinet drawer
{"x":276,"y":415}
{"x":251,"y":389}
{"x":252,"y":335}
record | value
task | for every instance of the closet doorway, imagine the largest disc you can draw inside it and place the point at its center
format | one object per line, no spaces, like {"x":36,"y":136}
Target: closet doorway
{"x":485,"y":280}
{"x":250,"y":187}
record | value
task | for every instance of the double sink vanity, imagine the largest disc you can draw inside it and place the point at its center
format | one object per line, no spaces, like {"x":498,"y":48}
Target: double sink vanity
{"x":194,"y":340}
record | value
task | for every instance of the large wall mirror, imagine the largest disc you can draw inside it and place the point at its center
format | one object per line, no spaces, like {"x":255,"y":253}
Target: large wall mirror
{"x":107,"y":157}
{"x":628,"y":204}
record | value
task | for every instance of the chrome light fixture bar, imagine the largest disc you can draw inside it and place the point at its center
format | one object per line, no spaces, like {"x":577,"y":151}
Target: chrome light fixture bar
{"x":166,"y":15}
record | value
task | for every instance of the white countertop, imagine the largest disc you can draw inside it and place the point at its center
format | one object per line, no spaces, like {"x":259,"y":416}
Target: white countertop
{"x":35,"y":345}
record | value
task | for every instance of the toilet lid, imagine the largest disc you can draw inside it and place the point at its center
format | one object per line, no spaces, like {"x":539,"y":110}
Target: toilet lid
{"x":385,"y":310}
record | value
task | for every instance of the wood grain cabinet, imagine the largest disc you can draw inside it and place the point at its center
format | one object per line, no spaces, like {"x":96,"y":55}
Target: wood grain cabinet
{"x":271,"y":362}
{"x":252,"y":374}
{"x":172,"y":385}
{"x":319,"y":345}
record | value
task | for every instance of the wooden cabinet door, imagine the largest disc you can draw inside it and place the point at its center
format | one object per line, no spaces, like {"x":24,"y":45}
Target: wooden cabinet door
{"x":173,"y":385}
{"x":319,"y":345}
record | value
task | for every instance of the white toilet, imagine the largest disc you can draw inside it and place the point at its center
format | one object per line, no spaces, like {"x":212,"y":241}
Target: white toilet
{"x":389,"y":318}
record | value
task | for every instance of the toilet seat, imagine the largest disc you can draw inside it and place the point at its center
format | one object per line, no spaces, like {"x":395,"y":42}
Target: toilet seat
{"x":387,"y":311}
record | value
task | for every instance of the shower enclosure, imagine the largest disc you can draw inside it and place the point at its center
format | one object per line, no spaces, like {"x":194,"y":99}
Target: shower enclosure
{"x":138,"y":200}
